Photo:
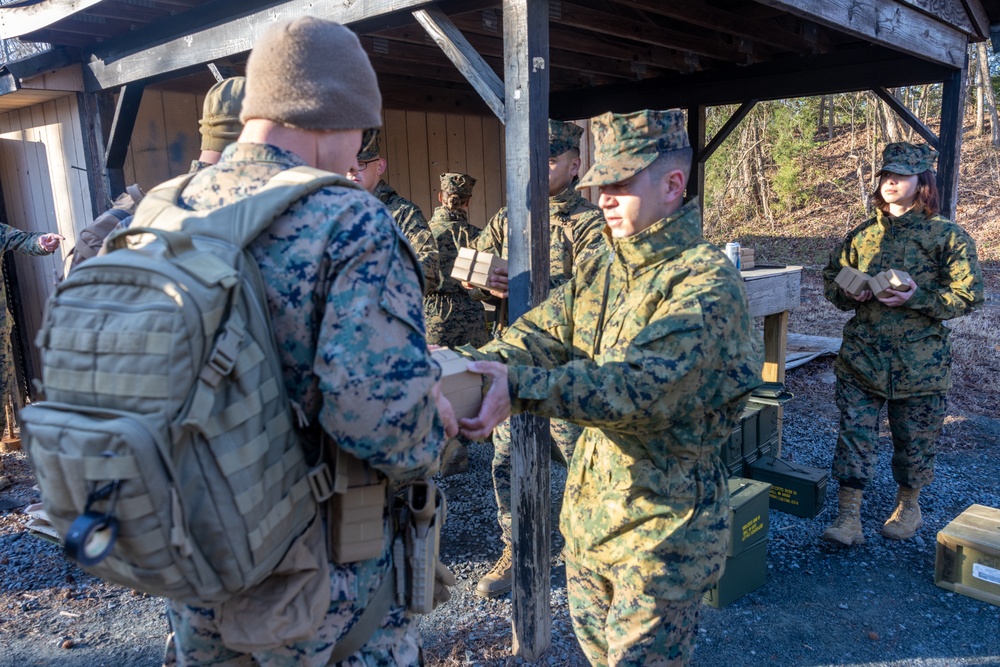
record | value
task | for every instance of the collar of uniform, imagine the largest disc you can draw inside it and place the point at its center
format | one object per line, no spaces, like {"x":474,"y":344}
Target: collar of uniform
{"x":383,"y":190}
{"x":662,"y":240}
{"x":885,"y":219}
{"x":565,"y":201}
{"x":244,"y":152}
{"x":446,"y":214}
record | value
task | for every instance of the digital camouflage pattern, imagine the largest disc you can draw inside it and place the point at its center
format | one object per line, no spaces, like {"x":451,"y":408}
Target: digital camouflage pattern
{"x":457,"y":184}
{"x":416,"y":230}
{"x":904,"y":351}
{"x":901,"y":355}
{"x":575,"y":232}
{"x":563,"y":137}
{"x":25,"y":243}
{"x":346,"y":308}
{"x":658,"y":388}
{"x":453,"y":317}
{"x":915,"y":423}
{"x":625,"y":144}
{"x":908,"y":159}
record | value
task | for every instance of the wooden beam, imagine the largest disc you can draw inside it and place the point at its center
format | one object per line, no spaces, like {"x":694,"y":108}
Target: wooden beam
{"x":949,"y":159}
{"x":92,"y":130}
{"x":526,"y":73}
{"x":908,"y":116}
{"x":696,"y":135}
{"x":220,"y":33}
{"x":775,"y":344}
{"x":466,"y":59}
{"x":726,"y":130}
{"x":952,"y":12}
{"x":406,"y":93}
{"x":889,"y":24}
{"x":804,"y":76}
{"x":19,"y":20}
{"x":129,"y":99}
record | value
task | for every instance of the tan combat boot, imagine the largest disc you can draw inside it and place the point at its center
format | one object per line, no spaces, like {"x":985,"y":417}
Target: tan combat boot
{"x":905,"y":519}
{"x":500,"y":579}
{"x":846,"y":528}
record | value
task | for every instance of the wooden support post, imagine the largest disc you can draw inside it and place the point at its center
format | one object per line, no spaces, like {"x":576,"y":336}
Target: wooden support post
{"x":94,"y":133}
{"x":526,"y":73}
{"x":696,"y":135}
{"x":468,"y":61}
{"x":952,"y":116}
{"x":775,"y":342}
{"x":129,"y":99}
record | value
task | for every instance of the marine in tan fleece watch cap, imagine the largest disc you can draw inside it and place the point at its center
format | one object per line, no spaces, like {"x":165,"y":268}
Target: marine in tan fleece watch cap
{"x":312,"y":74}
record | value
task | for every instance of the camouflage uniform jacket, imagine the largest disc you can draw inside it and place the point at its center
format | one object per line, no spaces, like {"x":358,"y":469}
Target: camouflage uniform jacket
{"x":904,"y":351}
{"x":575,"y":230}
{"x":15,"y":239}
{"x":452,"y":230}
{"x":652,"y":348}
{"x":416,"y":230}
{"x":346,"y":309}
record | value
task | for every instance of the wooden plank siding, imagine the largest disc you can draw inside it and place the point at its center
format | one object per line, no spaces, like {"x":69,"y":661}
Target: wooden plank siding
{"x":45,"y":190}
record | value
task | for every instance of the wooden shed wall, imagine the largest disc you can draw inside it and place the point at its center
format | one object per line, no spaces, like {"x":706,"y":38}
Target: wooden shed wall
{"x":45,"y":189}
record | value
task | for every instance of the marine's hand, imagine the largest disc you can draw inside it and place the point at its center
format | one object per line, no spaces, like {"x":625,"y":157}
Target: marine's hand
{"x":897,"y":298}
{"x":499,"y":282}
{"x":445,"y":410}
{"x":49,"y":242}
{"x":496,"y":403}
{"x":864,"y":296}
{"x":443,"y":580}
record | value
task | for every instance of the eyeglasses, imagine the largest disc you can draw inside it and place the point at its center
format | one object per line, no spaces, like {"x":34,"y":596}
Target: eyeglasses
{"x":362,"y":165}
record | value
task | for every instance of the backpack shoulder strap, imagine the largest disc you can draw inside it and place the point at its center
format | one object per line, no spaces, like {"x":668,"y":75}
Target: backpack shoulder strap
{"x":242,"y":221}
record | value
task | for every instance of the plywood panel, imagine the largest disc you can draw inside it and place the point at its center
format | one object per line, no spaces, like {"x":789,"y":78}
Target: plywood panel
{"x":493,"y":169}
{"x":394,"y":149}
{"x":456,"y":139}
{"x":474,"y":167}
{"x":148,"y":146}
{"x":418,"y":146}
{"x":437,"y":146}
{"x":180,"y":127}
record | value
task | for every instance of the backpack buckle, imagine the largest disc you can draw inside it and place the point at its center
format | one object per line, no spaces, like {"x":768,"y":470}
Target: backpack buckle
{"x":321,"y":482}
{"x":223,"y":357}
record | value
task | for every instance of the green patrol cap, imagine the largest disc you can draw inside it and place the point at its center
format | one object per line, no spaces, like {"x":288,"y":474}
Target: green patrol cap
{"x":625,"y":144}
{"x":459,"y":184}
{"x":371,"y":150}
{"x":563,"y":136}
{"x":907,"y":159}
{"x":220,"y":117}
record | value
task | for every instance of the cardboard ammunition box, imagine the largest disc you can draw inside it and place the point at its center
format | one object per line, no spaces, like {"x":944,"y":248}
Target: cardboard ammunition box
{"x":968,"y":554}
{"x":852,"y":281}
{"x":463,"y":388}
{"x":748,"y":517}
{"x":474,"y":267}
{"x":743,"y":574}
{"x":891,"y":279}
{"x":355,"y":511}
{"x":795,"y":488}
{"x":746,"y":258}
{"x":749,"y":427}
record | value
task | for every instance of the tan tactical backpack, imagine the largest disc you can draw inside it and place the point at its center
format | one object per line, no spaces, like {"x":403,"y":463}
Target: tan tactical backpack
{"x":166,"y":450}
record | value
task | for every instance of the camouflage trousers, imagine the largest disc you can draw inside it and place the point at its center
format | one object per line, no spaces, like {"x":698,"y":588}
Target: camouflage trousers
{"x":8,"y":381}
{"x":915,"y":424}
{"x":195,"y":639}
{"x":454,"y":319}
{"x":618,"y":623}
{"x":564,"y":436}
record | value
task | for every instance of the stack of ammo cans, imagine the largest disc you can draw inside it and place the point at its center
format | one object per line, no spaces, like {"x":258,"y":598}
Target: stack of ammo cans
{"x":746,"y":558}
{"x":755,"y":435}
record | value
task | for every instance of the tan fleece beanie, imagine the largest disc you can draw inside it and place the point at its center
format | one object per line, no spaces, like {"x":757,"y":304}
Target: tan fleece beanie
{"x":220,"y":117}
{"x":312,"y":74}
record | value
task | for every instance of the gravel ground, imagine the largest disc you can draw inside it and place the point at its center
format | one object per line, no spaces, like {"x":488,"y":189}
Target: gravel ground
{"x":874,"y":605}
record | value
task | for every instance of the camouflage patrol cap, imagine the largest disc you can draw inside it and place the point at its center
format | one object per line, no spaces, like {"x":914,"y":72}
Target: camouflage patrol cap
{"x":625,"y":144}
{"x":563,"y":137}
{"x":220,"y":117}
{"x":372,"y":150}
{"x":906,"y":159}
{"x":459,"y":184}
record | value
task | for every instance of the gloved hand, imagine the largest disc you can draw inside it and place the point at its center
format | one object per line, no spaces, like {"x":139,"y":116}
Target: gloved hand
{"x":443,"y":579}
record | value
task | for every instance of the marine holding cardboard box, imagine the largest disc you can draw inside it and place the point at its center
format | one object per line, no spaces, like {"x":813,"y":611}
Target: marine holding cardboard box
{"x":651,"y":347}
{"x":895,"y":349}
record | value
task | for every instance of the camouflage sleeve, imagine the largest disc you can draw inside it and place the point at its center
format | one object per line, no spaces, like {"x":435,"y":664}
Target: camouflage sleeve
{"x":372,"y":363}
{"x":418,"y":233}
{"x":959,"y":286}
{"x":24,"y":242}
{"x":666,"y":362}
{"x":839,"y":258}
{"x":589,"y":235}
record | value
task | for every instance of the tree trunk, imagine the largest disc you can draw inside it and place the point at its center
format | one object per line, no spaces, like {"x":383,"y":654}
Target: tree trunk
{"x":977,"y":73}
{"x":989,"y":98}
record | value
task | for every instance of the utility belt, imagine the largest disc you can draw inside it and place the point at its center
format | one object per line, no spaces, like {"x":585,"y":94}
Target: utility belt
{"x":355,"y":516}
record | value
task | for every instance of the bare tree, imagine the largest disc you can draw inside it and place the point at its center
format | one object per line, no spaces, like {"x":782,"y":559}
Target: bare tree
{"x":986,"y":90}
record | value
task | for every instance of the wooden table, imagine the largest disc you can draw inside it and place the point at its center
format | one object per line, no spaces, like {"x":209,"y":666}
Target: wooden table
{"x":772,"y":292}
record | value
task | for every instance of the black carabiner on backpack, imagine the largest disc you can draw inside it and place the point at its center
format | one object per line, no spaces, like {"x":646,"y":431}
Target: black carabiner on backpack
{"x":92,"y":535}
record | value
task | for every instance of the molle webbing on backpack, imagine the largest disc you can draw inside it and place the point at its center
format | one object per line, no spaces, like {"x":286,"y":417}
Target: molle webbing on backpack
{"x":163,"y":380}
